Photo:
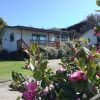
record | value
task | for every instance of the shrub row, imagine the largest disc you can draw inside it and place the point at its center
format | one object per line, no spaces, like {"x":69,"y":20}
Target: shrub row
{"x":52,"y":53}
{"x":48,"y":53}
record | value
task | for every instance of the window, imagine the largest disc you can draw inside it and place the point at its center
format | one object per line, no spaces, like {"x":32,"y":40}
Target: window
{"x":64,"y":37}
{"x":11,"y":37}
{"x":42,"y":37}
{"x":34,"y":37}
{"x":38,"y":38}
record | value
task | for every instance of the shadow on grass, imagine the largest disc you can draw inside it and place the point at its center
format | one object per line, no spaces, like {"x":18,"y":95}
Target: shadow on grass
{"x":12,"y":59}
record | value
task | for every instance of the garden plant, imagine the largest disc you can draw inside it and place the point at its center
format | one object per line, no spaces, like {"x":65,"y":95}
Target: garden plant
{"x":78,"y":77}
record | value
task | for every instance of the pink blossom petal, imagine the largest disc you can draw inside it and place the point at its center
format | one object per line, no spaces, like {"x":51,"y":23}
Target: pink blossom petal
{"x":31,"y":86}
{"x":28,"y":95}
{"x":77,"y":76}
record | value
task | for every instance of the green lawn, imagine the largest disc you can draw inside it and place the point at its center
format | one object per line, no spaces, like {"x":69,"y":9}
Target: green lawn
{"x":6,"y":68}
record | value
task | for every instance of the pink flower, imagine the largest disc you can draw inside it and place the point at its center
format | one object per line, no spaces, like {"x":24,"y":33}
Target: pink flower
{"x":77,"y":76}
{"x":78,"y":99}
{"x":91,"y":57}
{"x":72,"y":58}
{"x":30,"y":92}
{"x":98,"y":51}
{"x":94,"y":89}
{"x":28,"y":95}
{"x":31,"y":86}
{"x":98,"y":74}
{"x":45,"y":91}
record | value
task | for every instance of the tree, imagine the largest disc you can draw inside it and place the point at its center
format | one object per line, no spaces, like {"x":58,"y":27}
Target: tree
{"x":2,"y":23}
{"x":98,"y":2}
{"x":92,"y":20}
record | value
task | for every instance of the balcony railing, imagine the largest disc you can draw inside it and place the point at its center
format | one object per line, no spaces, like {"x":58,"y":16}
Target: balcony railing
{"x":47,"y":43}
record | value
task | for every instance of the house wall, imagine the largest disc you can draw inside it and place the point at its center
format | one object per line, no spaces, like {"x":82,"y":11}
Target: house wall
{"x":6,"y":44}
{"x":90,"y":35}
{"x":26,"y":36}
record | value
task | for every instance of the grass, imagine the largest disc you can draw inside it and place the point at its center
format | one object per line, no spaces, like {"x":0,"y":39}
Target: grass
{"x":6,"y":68}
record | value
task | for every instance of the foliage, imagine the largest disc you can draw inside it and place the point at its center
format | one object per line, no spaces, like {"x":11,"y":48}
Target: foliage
{"x":83,"y":26}
{"x":92,"y":20}
{"x":77,"y":78}
{"x":52,"y":53}
{"x":98,"y":2}
{"x":2,"y":23}
{"x":18,"y":83}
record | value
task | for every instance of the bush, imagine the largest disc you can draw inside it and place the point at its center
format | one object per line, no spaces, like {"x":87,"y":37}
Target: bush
{"x":52,"y":53}
{"x":4,"y":54}
{"x":49,"y":53}
{"x":77,"y":79}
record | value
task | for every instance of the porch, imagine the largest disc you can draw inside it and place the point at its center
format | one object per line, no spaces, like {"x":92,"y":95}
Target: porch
{"x":46,"y":43}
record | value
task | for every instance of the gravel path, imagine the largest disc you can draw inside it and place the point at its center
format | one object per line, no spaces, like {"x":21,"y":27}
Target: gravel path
{"x":6,"y":94}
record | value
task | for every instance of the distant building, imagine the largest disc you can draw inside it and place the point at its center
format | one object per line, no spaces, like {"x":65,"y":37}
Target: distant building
{"x":78,"y":31}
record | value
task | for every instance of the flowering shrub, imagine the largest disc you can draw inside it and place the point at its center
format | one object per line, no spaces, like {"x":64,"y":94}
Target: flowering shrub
{"x":30,"y":92}
{"x":78,"y":78}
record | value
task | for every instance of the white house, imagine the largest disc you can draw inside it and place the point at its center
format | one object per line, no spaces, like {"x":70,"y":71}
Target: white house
{"x":91,"y":36}
{"x":17,"y":37}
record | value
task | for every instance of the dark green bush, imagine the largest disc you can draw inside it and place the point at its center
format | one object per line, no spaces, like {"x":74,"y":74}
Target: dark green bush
{"x":53,"y":53}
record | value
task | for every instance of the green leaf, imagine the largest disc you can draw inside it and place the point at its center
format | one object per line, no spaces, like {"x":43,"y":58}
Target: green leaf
{"x":43,"y":84}
{"x":18,"y":98}
{"x":87,"y":51}
{"x":82,"y":64}
{"x":37,"y":74}
{"x":91,"y":72}
{"x":33,"y":48}
{"x":98,"y":2}
{"x":21,"y":78}
{"x":93,"y":49}
{"x":14,"y":76}
{"x":47,"y":81}
{"x":43,"y":65}
{"x":97,"y":55}
{"x":84,"y":40}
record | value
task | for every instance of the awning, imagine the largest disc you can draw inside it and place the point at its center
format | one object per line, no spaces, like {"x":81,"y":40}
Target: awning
{"x":98,"y":34}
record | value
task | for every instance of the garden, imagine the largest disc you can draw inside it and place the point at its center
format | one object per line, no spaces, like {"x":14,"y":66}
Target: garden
{"x":77,"y":78}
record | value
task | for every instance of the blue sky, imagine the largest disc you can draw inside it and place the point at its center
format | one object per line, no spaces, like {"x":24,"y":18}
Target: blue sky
{"x":46,"y":13}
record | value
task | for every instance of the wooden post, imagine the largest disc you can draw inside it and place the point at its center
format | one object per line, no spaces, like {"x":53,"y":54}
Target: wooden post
{"x":21,"y":39}
{"x":48,"y":40}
